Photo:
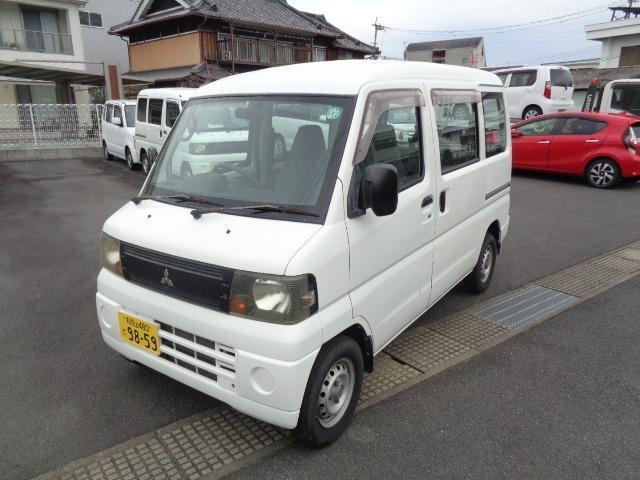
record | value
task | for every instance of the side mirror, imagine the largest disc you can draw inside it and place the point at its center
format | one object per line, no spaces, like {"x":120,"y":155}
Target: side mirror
{"x":515,"y":133}
{"x":379,"y":189}
{"x":153,"y":154}
{"x":117,"y":121}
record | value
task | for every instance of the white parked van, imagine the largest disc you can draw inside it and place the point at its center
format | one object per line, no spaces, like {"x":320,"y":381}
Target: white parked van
{"x":537,"y":90}
{"x":118,"y":131}
{"x":271,"y":280}
{"x":157,"y":111}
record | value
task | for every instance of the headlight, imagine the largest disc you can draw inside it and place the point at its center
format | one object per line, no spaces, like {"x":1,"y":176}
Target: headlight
{"x":273,"y":298}
{"x":110,"y":253}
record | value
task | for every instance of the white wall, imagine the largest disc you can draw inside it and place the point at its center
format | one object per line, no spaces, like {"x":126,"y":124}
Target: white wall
{"x":612,"y":47}
{"x":455,"y":56}
{"x":11,"y":17}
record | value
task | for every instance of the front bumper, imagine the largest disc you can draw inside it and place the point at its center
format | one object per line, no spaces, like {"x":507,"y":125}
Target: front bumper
{"x":264,"y":368}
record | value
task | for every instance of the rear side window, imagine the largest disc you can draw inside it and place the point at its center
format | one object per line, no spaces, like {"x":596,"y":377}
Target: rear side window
{"x":457,"y":121}
{"x":539,"y":127}
{"x":523,"y":79}
{"x":581,"y":126}
{"x":108,"y":113}
{"x":155,"y":111}
{"x":561,"y":78}
{"x":173,"y":110}
{"x":495,"y":123}
{"x":142,"y":110}
{"x":503,"y":77}
{"x":117,"y":113}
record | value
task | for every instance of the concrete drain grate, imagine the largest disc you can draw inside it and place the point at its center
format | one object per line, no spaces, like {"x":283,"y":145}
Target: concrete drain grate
{"x":525,"y":307}
{"x":386,"y":375}
{"x":469,"y":329}
{"x":629,"y":254}
{"x":425,"y":349}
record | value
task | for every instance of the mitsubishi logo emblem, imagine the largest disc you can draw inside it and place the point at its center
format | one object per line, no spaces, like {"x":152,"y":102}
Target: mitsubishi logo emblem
{"x":165,"y":280}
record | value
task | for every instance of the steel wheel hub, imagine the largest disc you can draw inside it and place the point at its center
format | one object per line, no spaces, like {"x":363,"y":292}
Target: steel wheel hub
{"x":601,"y":174}
{"x":486,"y":264}
{"x":335,"y":394}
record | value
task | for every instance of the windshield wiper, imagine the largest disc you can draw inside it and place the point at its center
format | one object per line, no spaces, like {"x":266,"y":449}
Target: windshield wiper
{"x":178,"y":198}
{"x":198,"y":212}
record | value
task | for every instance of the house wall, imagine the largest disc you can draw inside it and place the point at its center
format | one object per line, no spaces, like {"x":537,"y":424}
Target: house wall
{"x":611,"y":48}
{"x":11,"y":17}
{"x":99,"y":45}
{"x":179,"y":51}
{"x":455,"y":56}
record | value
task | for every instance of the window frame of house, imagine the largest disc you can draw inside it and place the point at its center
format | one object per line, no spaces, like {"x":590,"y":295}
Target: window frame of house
{"x":441,"y":56}
{"x":89,"y":19}
{"x":629,"y":56}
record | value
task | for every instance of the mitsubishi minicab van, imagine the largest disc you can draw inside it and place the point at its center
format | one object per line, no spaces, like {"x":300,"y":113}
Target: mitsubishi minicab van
{"x":156,"y":112}
{"x":270,"y":279}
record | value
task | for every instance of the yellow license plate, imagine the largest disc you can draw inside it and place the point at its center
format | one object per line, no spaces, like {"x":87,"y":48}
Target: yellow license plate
{"x":139,"y":332}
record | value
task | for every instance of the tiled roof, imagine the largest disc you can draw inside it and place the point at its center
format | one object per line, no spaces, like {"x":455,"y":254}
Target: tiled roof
{"x":444,"y":44}
{"x":272,"y":14}
{"x":206,"y":71}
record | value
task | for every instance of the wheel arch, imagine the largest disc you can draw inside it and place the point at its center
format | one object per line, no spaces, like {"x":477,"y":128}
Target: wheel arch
{"x":595,"y":158}
{"x":365,"y":341}
{"x":494,"y":229}
{"x":532,"y":105}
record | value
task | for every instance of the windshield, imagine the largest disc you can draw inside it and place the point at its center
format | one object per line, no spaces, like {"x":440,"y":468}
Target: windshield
{"x":627,"y":98}
{"x":561,"y":78}
{"x":251,"y":151}
{"x":130,"y":114}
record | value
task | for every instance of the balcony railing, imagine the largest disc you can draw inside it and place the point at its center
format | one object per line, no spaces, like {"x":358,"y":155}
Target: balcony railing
{"x":261,"y":52}
{"x":33,"y":41}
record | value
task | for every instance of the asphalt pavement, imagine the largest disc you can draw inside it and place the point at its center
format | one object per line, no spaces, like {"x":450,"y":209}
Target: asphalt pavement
{"x":559,"y":401}
{"x":66,"y":395}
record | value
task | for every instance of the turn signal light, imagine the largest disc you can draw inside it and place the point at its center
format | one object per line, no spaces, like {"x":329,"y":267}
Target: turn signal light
{"x":238,"y":305}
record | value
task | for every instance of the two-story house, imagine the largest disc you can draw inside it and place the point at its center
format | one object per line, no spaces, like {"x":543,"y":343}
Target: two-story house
{"x":44,"y":33}
{"x":465,"y":52}
{"x":190,"y":42}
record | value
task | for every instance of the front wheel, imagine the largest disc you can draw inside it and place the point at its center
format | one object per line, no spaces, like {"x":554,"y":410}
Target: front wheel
{"x":479,"y":279}
{"x":146,"y":164}
{"x":332,"y":392}
{"x":603,"y":173}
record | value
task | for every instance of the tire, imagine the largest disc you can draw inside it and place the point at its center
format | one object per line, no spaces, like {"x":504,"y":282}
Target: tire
{"x":460,"y":112}
{"x":479,"y":279}
{"x":129,"y":159}
{"x":146,"y":164}
{"x":185,"y":171}
{"x":105,"y":152}
{"x":338,"y":370}
{"x":530,"y":112}
{"x":603,"y":173}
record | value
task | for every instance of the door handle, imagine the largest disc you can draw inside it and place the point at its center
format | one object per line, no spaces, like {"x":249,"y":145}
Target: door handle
{"x":443,"y":201}
{"x":426,"y":201}
{"x":592,"y":141}
{"x":544,"y":142}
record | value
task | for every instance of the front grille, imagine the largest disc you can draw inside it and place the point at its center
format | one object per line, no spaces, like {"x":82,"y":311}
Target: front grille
{"x":188,"y":280}
{"x":203,"y":356}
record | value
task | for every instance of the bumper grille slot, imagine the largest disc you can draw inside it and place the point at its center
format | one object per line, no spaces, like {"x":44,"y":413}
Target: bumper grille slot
{"x":200,"y":355}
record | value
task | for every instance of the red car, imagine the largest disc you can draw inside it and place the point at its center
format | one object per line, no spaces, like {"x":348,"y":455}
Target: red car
{"x":603,"y":147}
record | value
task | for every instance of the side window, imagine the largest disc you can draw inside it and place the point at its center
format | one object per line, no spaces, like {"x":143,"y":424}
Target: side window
{"x":155,"y":111}
{"x":539,"y":127}
{"x":503,"y":77}
{"x":108,"y":113}
{"x":142,"y":110}
{"x":523,"y":79}
{"x":457,"y":122}
{"x":117,"y":113}
{"x":391,"y":134}
{"x":495,"y":123}
{"x":581,"y":126}
{"x":173,"y":110}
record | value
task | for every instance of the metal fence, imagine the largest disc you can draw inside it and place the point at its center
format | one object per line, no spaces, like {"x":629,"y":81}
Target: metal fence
{"x":41,"y":126}
{"x":34,"y":41}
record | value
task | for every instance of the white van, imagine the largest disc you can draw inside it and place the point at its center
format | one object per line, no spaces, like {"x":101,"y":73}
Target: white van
{"x":157,"y":111}
{"x":621,"y":96}
{"x":535,"y":90}
{"x":270,"y":282}
{"x":118,"y":131}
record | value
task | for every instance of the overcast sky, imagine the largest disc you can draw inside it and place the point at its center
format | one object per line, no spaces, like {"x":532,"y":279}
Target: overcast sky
{"x":544,"y":43}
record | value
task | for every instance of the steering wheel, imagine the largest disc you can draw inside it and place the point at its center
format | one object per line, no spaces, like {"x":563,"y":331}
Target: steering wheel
{"x":221,"y":168}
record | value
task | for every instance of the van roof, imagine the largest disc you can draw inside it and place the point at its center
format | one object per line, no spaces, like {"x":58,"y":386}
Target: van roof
{"x":181,"y":93}
{"x":122,"y":102}
{"x":341,"y":77}
{"x":530,"y":67}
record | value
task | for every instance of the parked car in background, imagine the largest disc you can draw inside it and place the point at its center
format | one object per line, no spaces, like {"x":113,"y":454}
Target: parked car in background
{"x":620,"y":96}
{"x":118,"y":131}
{"x":156,"y":112}
{"x":268,"y":282}
{"x":602,"y":147}
{"x":537,"y":90}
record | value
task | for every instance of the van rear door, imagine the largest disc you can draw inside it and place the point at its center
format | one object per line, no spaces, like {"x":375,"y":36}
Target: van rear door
{"x":561,"y":84}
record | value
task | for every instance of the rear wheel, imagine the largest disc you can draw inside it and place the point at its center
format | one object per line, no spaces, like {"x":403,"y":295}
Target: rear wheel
{"x":603,"y":173}
{"x":129,"y":158}
{"x":332,"y":392}
{"x":146,"y":165}
{"x":105,"y":152}
{"x":479,"y":279}
{"x":531,"y":111}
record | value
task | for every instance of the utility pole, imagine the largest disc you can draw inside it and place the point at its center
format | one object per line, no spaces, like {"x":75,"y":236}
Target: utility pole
{"x":377,"y":28}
